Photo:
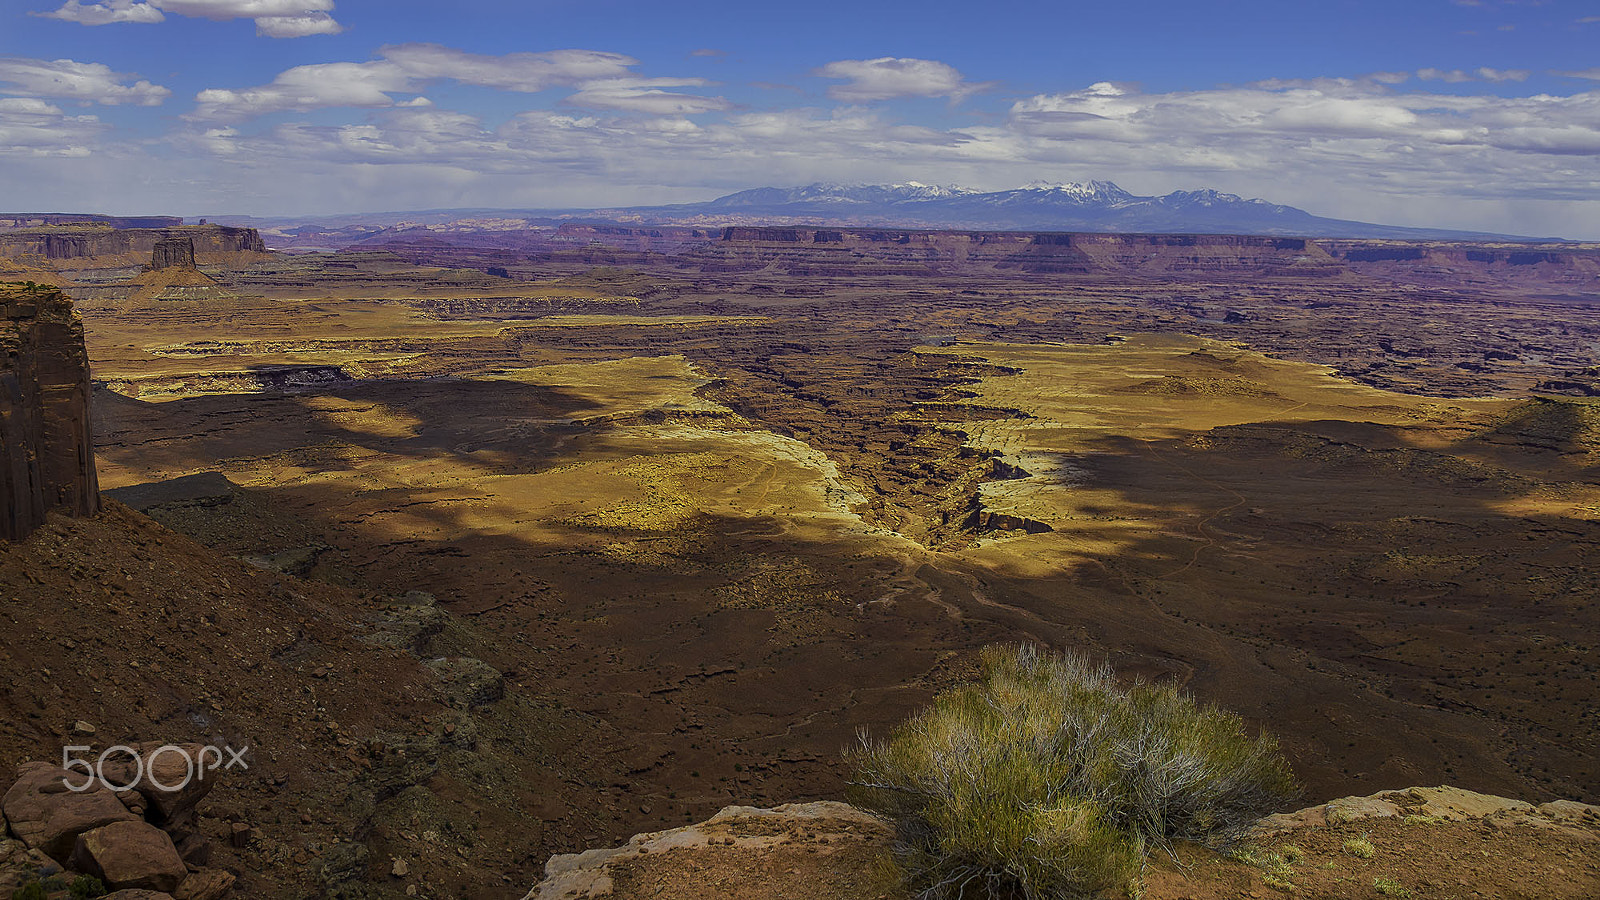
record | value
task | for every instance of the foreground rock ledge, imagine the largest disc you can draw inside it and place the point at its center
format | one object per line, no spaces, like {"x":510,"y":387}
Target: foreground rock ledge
{"x":1438,"y":842}
{"x":815,"y":850}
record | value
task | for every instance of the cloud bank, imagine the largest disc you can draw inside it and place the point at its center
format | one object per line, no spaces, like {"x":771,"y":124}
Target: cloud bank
{"x":273,"y":18}
{"x":602,"y":81}
{"x":888,"y":78}
{"x":72,"y":80}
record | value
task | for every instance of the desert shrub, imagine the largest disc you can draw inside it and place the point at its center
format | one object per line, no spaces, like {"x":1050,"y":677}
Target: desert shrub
{"x":86,"y":887}
{"x":30,"y":891}
{"x":1046,"y":778}
{"x":1360,"y":847}
{"x":1388,"y":887}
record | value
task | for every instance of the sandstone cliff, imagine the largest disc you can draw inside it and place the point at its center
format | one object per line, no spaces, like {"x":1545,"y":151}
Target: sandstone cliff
{"x":1566,"y":266}
{"x":84,"y":241}
{"x":172,"y":253}
{"x":46,"y":454}
{"x":822,"y":251}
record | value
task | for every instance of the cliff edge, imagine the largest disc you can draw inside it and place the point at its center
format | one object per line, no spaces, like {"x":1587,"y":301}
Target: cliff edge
{"x":1439,"y":842}
{"x":46,"y":452}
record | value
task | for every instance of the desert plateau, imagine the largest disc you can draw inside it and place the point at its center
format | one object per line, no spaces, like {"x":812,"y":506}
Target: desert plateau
{"x":641,"y":533}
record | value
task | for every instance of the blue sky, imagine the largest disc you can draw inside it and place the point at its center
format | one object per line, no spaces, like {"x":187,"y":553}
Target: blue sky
{"x":1482,"y":115}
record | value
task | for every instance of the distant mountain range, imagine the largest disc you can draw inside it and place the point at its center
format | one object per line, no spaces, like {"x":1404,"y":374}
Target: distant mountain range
{"x":1095,"y":206}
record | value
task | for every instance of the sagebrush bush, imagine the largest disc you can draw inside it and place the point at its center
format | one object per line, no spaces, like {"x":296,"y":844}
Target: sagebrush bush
{"x":1045,"y":778}
{"x":86,"y":887}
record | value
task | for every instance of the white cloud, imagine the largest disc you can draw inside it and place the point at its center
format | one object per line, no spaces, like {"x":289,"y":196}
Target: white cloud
{"x":220,"y":141}
{"x":297,"y":26}
{"x":107,"y":13}
{"x":645,"y":95}
{"x":304,"y":88}
{"x":27,"y":106}
{"x":1488,"y":74}
{"x":1374,"y":140}
{"x":556,"y":148}
{"x":1459,"y":76}
{"x":1591,"y":74}
{"x":31,"y":127}
{"x":888,"y":78}
{"x":1360,"y":143}
{"x":603,"y":80}
{"x":527,"y":72}
{"x":242,"y":9}
{"x":273,"y":18}
{"x":69,"y":79}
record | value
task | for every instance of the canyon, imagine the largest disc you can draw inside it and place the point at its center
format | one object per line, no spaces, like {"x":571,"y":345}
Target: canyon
{"x":628,"y":524}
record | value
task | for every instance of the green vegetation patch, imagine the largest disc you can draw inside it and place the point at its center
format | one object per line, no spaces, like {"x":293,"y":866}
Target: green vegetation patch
{"x":1388,"y":887}
{"x":86,"y":887}
{"x":1424,"y":820}
{"x":1360,"y":847}
{"x":1046,"y":778}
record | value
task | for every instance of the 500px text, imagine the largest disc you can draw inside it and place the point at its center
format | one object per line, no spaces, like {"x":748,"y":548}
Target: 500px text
{"x":135,"y":769}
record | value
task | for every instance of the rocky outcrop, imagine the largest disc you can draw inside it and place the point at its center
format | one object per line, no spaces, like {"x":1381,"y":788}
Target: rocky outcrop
{"x":984,"y":521}
{"x":259,"y":379}
{"x":133,"y":825}
{"x":47,"y":816}
{"x":1570,"y":266}
{"x":46,"y":453}
{"x":80,"y":241}
{"x":659,"y":239}
{"x":1443,"y":803}
{"x":1200,"y":254}
{"x":131,"y":855}
{"x":171,"y":780}
{"x":831,"y":836}
{"x":172,"y":253}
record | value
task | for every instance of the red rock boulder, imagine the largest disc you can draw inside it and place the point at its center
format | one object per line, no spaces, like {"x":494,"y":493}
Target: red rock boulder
{"x":172,"y":777}
{"x":49,"y":817}
{"x":130,"y":855}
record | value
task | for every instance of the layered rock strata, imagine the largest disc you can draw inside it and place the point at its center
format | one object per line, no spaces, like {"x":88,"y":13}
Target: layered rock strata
{"x":172,"y":253}
{"x":46,"y":452}
{"x":76,"y":242}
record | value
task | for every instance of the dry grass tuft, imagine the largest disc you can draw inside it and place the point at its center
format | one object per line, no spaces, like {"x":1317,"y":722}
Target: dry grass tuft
{"x":1046,"y":778}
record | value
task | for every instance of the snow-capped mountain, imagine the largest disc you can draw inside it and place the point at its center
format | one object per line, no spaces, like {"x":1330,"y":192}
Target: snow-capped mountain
{"x":1041,"y":206}
{"x":840,"y":195}
{"x":1102,"y":192}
